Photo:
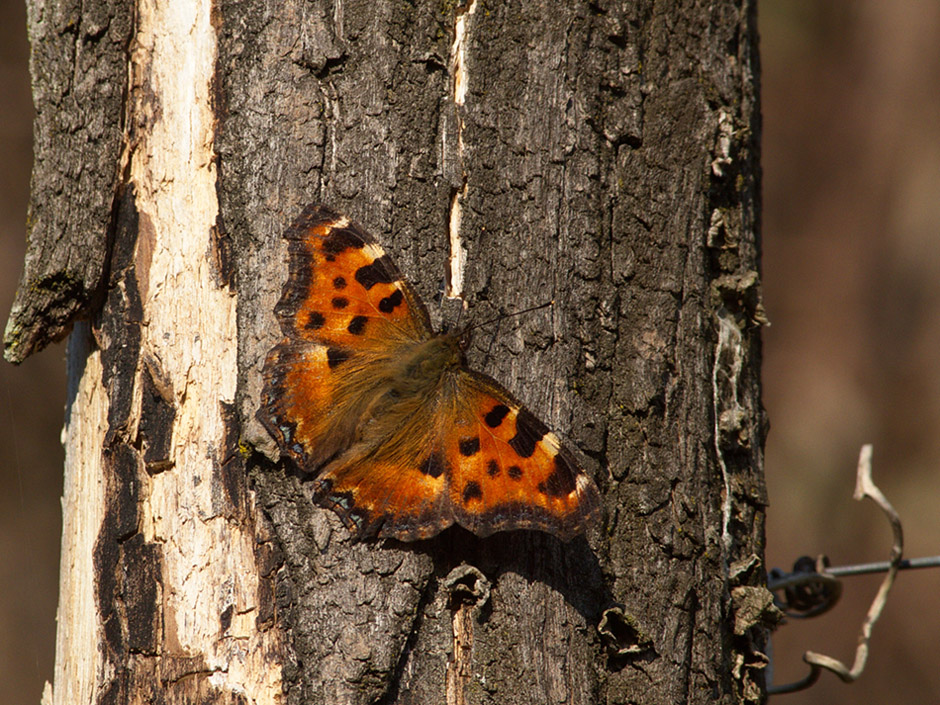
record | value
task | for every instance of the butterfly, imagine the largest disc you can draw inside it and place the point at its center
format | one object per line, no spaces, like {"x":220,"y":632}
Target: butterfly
{"x":402,"y":437}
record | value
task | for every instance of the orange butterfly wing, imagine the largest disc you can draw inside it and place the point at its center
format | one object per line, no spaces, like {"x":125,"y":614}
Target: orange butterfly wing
{"x":509,"y":471}
{"x":344,"y":310}
{"x":397,"y":489}
{"x":341,"y":283}
{"x":402,"y":451}
{"x":475,"y":456}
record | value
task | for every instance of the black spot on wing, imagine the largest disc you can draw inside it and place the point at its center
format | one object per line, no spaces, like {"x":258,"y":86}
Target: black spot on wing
{"x":337,"y":356}
{"x":341,"y":239}
{"x":381,"y":271}
{"x":469,"y":446}
{"x":492,"y":468}
{"x":561,"y":482}
{"x":471,"y":491}
{"x":433,"y":465}
{"x":339,"y":283}
{"x":315,"y":321}
{"x":514,"y":472}
{"x":529,"y":431}
{"x":496,"y":415}
{"x":340,"y":302}
{"x":357,"y":325}
{"x":391,"y":302}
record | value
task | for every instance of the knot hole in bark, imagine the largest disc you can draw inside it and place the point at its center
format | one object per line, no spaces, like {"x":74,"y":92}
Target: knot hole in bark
{"x":467,"y":587}
{"x":623,"y":637}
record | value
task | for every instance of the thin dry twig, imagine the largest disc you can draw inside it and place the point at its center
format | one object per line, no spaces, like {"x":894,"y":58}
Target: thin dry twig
{"x":864,"y":487}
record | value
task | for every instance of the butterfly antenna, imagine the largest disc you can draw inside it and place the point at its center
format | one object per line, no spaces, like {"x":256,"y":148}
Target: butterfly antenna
{"x":489,"y":347}
{"x":499,"y":319}
{"x":439,"y":298}
{"x":502,"y":316}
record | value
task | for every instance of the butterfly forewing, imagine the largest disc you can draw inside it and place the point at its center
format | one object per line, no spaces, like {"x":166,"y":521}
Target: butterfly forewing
{"x":343,"y":290}
{"x":345,"y":310}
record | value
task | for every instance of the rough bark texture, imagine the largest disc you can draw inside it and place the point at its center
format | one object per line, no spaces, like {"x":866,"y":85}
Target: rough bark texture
{"x":598,"y":155}
{"x":79,"y":73}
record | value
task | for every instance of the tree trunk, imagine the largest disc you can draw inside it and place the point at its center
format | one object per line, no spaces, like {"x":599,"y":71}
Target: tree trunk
{"x":600,"y":156}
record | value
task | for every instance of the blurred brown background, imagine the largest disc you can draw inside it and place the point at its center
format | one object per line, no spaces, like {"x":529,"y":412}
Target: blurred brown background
{"x":851,"y":102}
{"x":851,"y":162}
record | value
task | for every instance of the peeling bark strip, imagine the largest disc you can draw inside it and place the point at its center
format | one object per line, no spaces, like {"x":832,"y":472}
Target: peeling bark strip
{"x":78,"y":63}
{"x":166,"y":590}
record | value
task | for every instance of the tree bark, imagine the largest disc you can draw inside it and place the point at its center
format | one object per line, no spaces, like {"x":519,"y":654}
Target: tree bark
{"x":78,"y":65}
{"x":601,"y":156}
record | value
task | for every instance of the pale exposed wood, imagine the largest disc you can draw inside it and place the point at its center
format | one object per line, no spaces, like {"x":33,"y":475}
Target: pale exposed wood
{"x":77,"y":665}
{"x":189,"y":339}
{"x":161,"y":567}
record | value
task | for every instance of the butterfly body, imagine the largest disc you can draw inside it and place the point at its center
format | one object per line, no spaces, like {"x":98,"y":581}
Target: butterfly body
{"x":404,"y":439}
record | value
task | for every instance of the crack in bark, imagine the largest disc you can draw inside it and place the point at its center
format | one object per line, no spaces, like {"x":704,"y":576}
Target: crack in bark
{"x":393,"y":690}
{"x":469,"y":590}
{"x":458,"y":255}
{"x":688,"y":669}
{"x":459,"y":668}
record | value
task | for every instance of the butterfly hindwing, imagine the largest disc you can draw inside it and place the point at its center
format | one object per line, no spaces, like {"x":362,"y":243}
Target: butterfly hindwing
{"x":298,"y":390}
{"x":509,"y":471}
{"x":478,"y":458}
{"x":390,"y":481}
{"x":393,"y":492}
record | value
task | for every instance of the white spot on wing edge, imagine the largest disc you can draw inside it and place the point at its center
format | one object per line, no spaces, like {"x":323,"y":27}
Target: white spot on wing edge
{"x":372,"y":251}
{"x":582,"y":483}
{"x":315,"y":354}
{"x":552,"y":442}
